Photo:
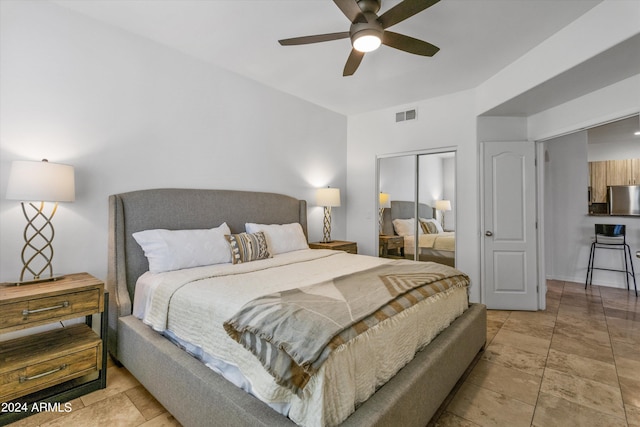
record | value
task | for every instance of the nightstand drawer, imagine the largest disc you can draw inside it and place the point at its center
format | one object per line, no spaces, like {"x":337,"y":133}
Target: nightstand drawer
{"x":58,"y":307}
{"x":35,"y":362}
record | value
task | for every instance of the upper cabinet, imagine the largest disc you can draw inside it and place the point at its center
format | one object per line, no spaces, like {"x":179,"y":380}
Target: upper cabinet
{"x":623,"y":172}
{"x":598,"y":181}
{"x":612,"y":172}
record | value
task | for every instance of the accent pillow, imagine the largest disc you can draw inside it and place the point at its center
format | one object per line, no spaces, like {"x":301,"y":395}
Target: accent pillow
{"x":405,"y":227}
{"x":281,"y":238}
{"x":168,"y":250}
{"x":428,"y":227}
{"x":435,"y":223}
{"x":247,"y":247}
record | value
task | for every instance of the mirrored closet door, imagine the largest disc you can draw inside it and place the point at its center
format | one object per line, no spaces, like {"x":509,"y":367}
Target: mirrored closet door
{"x":417,"y":185}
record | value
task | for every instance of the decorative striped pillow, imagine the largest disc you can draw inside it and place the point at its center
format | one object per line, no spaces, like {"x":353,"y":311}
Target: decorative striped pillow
{"x":247,"y":247}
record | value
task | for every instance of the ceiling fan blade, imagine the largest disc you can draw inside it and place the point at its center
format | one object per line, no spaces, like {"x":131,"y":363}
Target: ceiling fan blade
{"x":353,"y":62}
{"x":351,"y":10}
{"x":408,"y":44}
{"x":314,"y":39}
{"x":404,"y":10}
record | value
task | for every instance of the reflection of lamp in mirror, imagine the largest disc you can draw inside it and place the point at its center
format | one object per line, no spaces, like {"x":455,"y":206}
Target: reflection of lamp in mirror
{"x":443,"y":206}
{"x":327,"y":197}
{"x":383,"y":203}
{"x":33,"y":182}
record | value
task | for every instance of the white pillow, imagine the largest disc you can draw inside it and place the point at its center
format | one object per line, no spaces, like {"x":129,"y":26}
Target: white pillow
{"x":168,"y":250}
{"x":405,"y":227}
{"x":281,"y":238}
{"x":436,"y":223}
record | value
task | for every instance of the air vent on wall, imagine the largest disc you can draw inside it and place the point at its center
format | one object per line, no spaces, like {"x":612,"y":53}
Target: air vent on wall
{"x":403,"y":116}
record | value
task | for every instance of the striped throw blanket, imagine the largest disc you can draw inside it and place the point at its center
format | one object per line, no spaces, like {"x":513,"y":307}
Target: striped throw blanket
{"x":293,"y":332}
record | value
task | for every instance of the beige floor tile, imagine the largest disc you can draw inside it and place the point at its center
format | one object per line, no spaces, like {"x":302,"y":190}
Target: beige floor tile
{"x":625,"y":313}
{"x":498,"y":315}
{"x":488,"y":408}
{"x":507,"y":381}
{"x":523,"y":341}
{"x":583,"y":348}
{"x":630,"y":390}
{"x":162,"y":420}
{"x":533,"y":326}
{"x":114,"y":411}
{"x":145,"y":402}
{"x":451,"y":420}
{"x":512,"y":357}
{"x":119,"y":380}
{"x":633,"y":415}
{"x":626,"y":349}
{"x":624,"y":330}
{"x":554,"y":411}
{"x":584,"y":392}
{"x":629,"y":368}
{"x":590,"y":302}
{"x":581,"y":312}
{"x":579,"y":331}
{"x":584,"y":367}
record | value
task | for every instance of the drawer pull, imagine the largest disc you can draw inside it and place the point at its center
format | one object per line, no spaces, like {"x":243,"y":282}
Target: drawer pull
{"x":44,"y":374}
{"x":28,"y":312}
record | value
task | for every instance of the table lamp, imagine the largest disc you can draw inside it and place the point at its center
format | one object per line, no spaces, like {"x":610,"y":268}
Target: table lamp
{"x":383,"y":202}
{"x":327,"y":197}
{"x":34,"y":183}
{"x":443,"y":206}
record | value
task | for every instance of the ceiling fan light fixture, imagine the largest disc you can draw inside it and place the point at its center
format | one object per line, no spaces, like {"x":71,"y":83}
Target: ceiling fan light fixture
{"x":366,"y":41}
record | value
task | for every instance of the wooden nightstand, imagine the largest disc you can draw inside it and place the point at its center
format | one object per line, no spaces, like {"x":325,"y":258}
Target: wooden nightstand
{"x":394,"y":243}
{"x":58,"y":365}
{"x":337,"y":245}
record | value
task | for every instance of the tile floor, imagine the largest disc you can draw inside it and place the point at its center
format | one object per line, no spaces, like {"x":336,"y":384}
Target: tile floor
{"x":575,"y":364}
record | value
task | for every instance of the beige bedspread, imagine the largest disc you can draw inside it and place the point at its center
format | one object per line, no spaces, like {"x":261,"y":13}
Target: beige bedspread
{"x":293,"y":332}
{"x":442,"y":241}
{"x":193,"y":304}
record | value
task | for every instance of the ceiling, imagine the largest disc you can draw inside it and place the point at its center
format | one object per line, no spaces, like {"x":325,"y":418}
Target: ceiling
{"x":477,"y":39}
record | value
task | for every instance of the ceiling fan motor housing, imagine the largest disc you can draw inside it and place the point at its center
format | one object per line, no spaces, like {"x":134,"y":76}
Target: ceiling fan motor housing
{"x":370,"y":28}
{"x":372,"y":6}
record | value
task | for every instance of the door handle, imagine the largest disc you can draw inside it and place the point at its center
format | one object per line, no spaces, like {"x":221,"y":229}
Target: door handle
{"x":488,"y":233}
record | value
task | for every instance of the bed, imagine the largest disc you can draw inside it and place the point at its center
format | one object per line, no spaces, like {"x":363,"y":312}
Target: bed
{"x":198,"y":395}
{"x":437,"y":245}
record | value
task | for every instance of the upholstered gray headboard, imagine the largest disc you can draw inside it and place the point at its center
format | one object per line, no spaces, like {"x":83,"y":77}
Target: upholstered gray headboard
{"x":179,"y":209}
{"x":403,"y":210}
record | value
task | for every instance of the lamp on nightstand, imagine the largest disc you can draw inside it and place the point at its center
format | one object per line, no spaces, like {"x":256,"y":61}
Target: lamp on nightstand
{"x":34,"y":183}
{"x":327,"y":197}
{"x":443,"y":206}
{"x":383,"y":202}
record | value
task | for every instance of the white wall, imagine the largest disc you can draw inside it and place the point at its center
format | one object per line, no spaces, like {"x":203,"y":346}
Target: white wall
{"x":568,"y":228}
{"x":131,"y":114}
{"x":443,"y":122}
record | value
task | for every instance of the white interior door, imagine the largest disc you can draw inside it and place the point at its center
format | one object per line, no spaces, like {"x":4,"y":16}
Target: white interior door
{"x":509,"y":220}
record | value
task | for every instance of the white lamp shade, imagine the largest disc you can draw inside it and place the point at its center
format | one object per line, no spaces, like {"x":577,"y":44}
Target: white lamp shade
{"x":443,"y":205}
{"x":384,"y":202}
{"x":41,"y":182}
{"x":328,"y":197}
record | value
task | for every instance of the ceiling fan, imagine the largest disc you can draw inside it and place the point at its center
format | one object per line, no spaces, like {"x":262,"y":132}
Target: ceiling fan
{"x":368,"y":30}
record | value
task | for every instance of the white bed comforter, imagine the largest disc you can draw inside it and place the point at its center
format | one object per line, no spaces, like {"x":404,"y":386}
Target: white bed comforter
{"x":192,"y":305}
{"x":441,"y":241}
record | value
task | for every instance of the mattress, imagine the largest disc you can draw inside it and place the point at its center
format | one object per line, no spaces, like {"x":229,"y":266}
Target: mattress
{"x":200,"y":299}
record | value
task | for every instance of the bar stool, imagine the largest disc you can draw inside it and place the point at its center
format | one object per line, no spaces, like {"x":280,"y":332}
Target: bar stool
{"x":611,"y":236}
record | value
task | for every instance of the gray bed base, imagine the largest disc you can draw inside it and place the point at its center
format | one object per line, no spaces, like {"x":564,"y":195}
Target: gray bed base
{"x":195,"y":395}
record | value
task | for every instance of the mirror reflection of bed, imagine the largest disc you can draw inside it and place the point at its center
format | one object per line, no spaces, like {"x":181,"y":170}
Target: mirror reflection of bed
{"x":434,"y":243}
{"x":424,"y":179}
